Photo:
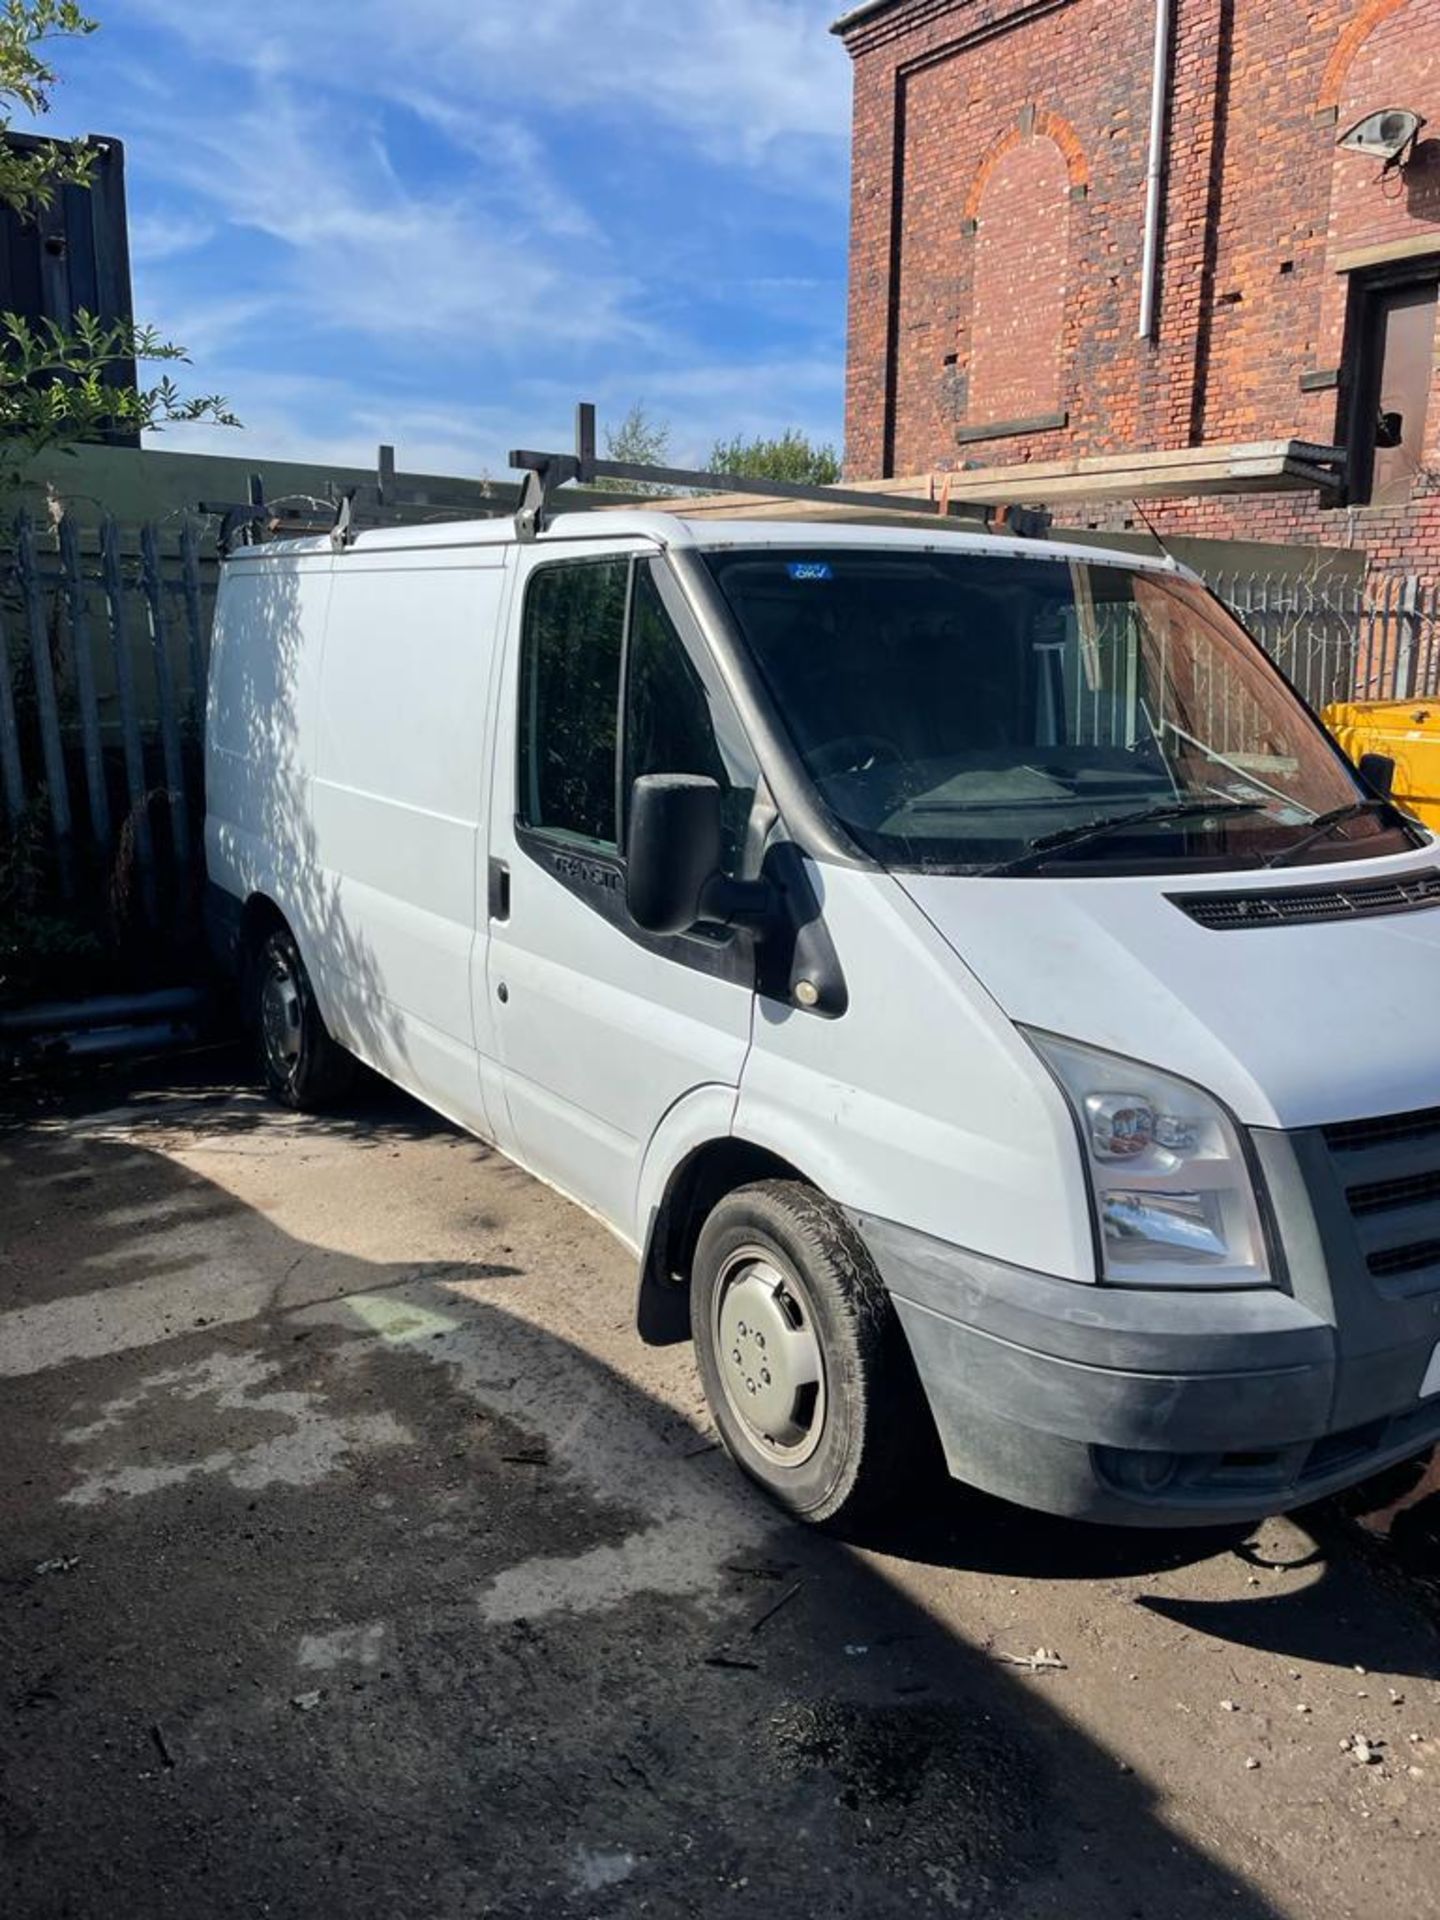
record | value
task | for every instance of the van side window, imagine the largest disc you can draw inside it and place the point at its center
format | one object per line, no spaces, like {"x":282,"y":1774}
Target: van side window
{"x":678,"y":718}
{"x":571,"y":652}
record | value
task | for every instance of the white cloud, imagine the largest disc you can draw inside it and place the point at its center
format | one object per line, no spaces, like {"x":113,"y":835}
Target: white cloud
{"x":333,"y":419}
{"x":739,"y":77}
{"x":381,"y":278}
{"x":162,"y":236}
{"x":363,"y":253}
{"x":702,"y":400}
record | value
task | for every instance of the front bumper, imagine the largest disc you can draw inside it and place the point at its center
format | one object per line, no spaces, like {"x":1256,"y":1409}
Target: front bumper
{"x":1154,"y":1408}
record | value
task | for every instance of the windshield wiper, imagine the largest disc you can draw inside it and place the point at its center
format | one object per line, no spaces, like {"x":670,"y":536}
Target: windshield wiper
{"x":1323,"y":823}
{"x":1039,"y":851}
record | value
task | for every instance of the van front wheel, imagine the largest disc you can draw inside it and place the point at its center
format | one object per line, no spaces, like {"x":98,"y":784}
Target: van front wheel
{"x":303,"y":1066}
{"x":803,"y":1362}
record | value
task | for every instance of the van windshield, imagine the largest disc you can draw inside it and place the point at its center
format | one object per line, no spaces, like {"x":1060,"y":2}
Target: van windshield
{"x":970,"y":712}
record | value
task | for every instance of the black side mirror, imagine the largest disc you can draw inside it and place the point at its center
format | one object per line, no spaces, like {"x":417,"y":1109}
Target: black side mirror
{"x":1377,"y":772}
{"x":674,"y":849}
{"x":672,"y":878}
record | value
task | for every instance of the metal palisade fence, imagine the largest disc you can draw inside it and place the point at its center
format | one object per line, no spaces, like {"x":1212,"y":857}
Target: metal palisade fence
{"x":104,"y":639}
{"x":1342,"y":639}
{"x":104,"y":636}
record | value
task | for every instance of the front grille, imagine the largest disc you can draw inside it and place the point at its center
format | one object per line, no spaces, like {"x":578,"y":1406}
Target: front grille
{"x":1415,"y":1258}
{"x":1390,"y":1171}
{"x":1378,"y":1195}
{"x":1304,"y":906}
{"x":1390,"y":1127}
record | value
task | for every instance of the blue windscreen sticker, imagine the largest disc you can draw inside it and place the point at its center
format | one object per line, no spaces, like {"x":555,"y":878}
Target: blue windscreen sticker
{"x":810,"y":570}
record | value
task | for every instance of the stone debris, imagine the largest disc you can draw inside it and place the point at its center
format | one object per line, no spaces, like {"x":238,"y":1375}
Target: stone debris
{"x":1042,"y":1660}
{"x":61,"y":1565}
{"x":1363,"y":1751}
{"x":304,"y":1702}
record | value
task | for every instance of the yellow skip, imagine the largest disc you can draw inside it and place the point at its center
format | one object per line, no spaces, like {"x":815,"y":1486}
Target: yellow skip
{"x":1409,"y":732}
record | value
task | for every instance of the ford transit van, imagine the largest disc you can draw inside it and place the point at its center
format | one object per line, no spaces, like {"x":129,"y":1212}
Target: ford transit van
{"x":961,"y":968}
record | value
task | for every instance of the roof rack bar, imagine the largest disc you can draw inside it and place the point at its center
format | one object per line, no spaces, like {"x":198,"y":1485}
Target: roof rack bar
{"x":545,"y":472}
{"x":554,"y":469}
{"x":585,"y":433}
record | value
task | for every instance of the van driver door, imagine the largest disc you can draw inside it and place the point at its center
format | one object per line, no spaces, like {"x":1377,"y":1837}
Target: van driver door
{"x":601,"y":1029}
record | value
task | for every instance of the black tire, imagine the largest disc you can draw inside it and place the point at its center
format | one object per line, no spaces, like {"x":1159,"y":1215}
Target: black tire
{"x":864,"y":1435}
{"x":302,"y":1066}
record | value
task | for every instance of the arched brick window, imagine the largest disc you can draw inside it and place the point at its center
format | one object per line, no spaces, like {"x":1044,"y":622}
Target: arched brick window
{"x":1018,"y":287}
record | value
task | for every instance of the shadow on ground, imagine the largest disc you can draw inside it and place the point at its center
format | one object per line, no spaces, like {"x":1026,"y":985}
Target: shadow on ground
{"x":394,"y":1603}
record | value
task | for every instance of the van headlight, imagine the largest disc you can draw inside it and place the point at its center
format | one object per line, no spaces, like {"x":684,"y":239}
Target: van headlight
{"x":1174,"y":1197}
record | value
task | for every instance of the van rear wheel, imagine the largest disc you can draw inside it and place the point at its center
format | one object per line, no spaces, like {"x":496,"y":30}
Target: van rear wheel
{"x":803,"y":1361}
{"x":302,"y":1065}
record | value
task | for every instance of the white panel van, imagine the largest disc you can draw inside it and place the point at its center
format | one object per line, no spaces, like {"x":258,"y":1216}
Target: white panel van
{"x":961,"y":968}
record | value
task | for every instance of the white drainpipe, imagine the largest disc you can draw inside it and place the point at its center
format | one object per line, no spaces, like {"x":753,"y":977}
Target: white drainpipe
{"x":1160,"y":86}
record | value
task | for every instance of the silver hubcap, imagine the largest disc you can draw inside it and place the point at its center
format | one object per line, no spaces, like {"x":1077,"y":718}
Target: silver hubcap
{"x":769,"y":1354}
{"x":280,"y":1017}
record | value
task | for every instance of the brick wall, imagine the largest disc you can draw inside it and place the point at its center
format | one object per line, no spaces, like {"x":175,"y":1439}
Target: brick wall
{"x":971,"y":259}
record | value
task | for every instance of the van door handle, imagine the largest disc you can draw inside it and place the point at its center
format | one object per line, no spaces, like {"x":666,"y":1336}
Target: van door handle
{"x":499,"y":890}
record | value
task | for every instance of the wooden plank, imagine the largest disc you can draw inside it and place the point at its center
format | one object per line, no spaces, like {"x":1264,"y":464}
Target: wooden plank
{"x":1234,"y":472}
{"x":1261,"y":466}
{"x":1233,"y":468}
{"x":745,"y":506}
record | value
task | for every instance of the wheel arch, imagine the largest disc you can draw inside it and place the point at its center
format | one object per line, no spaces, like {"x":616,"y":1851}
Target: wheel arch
{"x":701,"y":1178}
{"x":259,"y":917}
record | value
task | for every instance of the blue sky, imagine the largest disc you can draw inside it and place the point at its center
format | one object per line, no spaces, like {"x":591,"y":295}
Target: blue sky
{"x":441,"y":222}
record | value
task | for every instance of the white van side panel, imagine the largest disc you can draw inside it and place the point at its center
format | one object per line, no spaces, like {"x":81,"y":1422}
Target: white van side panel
{"x":600,"y":1037}
{"x":922,"y":1105}
{"x":259,"y":736}
{"x":400,"y":781}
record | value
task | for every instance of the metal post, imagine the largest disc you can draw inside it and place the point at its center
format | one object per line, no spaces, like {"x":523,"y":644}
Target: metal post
{"x":1405,"y":659}
{"x":10,"y":763}
{"x":1364,"y":666}
{"x":1155,"y":171}
{"x":194,"y":621}
{"x":47,"y":707}
{"x":165,"y":696}
{"x":585,"y":438}
{"x":80,"y":648}
{"x":1387,"y":686}
{"x":135,"y":783}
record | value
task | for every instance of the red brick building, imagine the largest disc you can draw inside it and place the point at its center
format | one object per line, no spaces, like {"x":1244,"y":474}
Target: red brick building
{"x":1001,"y":155}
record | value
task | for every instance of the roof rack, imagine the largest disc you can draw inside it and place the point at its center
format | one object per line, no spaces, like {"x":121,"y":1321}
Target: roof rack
{"x":545,"y":473}
{"x":384,"y":501}
{"x":341,"y":516}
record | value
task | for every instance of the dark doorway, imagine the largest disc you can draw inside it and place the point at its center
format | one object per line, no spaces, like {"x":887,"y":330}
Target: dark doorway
{"x":1390,"y":355}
